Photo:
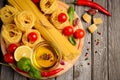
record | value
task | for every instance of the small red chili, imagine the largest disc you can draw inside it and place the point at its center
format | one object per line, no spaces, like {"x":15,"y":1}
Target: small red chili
{"x":50,"y":73}
{"x":19,"y":70}
{"x":92,"y":4}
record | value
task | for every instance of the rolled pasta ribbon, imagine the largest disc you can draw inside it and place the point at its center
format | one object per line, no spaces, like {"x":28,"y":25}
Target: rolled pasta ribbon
{"x":25,"y":20}
{"x":48,"y":6}
{"x":56,"y":23}
{"x":27,"y":42}
{"x":11,"y":34}
{"x":7,"y":14}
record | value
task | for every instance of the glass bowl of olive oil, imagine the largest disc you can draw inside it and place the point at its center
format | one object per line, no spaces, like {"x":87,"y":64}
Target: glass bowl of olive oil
{"x":46,"y":56}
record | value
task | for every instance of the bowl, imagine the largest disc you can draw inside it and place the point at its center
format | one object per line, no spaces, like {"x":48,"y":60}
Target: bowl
{"x":46,"y":56}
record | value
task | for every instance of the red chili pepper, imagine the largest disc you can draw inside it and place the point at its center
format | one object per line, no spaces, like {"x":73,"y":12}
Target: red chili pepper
{"x":19,"y":70}
{"x":93,"y":5}
{"x":50,"y":73}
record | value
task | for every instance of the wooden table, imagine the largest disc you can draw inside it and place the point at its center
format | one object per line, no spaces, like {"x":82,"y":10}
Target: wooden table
{"x":100,"y":58}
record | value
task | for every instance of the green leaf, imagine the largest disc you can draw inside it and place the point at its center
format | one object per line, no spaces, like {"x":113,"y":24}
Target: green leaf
{"x":72,"y":40}
{"x":34,"y":73}
{"x":71,"y":14}
{"x":24,"y":64}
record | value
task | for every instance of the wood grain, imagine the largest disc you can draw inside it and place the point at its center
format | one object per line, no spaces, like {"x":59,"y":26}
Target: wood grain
{"x":18,"y":76}
{"x":100,"y":67}
{"x":6,"y":73}
{"x":82,"y":71}
{"x":114,"y":40}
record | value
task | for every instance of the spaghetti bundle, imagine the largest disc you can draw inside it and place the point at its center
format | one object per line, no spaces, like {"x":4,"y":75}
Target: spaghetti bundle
{"x":48,"y":6}
{"x":11,"y":33}
{"x":7,"y":14}
{"x":25,"y":20}
{"x":56,"y":23}
{"x":27,"y":42}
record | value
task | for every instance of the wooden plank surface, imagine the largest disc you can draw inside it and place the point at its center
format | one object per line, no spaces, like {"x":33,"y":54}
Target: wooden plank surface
{"x":99,"y":47}
{"x":114,"y":40}
{"x":82,"y":71}
{"x":103,"y":59}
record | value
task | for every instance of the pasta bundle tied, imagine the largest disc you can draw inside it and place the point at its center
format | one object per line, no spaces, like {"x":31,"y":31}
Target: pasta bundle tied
{"x":7,"y":14}
{"x":27,"y":42}
{"x":11,"y":33}
{"x":48,"y":6}
{"x":55,"y":22}
{"x":25,"y":20}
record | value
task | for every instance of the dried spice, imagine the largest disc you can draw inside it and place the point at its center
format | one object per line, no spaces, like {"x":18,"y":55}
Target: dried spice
{"x":45,"y":56}
{"x":92,"y":11}
{"x":88,"y":49}
{"x":99,"y":33}
{"x":76,"y":22}
{"x":86,"y":54}
{"x":97,"y":41}
{"x":88,"y":63}
{"x":95,"y":51}
{"x":86,"y":58}
{"x":88,"y":42}
{"x":62,"y":62}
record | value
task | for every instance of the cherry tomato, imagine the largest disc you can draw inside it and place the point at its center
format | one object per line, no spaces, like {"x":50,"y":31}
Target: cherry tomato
{"x":12,"y":47}
{"x":9,"y":58}
{"x":32,"y":37}
{"x":79,"y":33}
{"x":62,"y":17}
{"x":68,"y":30}
{"x":36,"y":1}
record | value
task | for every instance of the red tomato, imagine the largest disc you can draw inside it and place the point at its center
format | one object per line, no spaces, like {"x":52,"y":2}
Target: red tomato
{"x":62,"y":17}
{"x":36,"y":1}
{"x":9,"y":58}
{"x":12,"y":47}
{"x":68,"y":30}
{"x":79,"y":33}
{"x":32,"y":37}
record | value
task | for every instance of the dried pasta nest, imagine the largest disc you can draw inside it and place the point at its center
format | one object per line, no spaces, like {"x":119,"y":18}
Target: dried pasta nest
{"x":25,"y":20}
{"x":7,"y":14}
{"x":27,"y":42}
{"x":56,"y":23}
{"x":48,"y":6}
{"x":11,"y":33}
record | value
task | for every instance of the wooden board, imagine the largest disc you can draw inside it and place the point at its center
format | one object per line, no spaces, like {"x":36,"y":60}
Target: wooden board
{"x":68,"y":64}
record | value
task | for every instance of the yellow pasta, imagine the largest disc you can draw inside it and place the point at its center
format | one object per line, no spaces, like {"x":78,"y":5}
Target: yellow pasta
{"x":55,"y":22}
{"x":25,"y":20}
{"x":47,"y":30}
{"x":48,"y":6}
{"x":7,"y":14}
{"x":27,"y":42}
{"x":69,"y":51}
{"x":11,"y":33}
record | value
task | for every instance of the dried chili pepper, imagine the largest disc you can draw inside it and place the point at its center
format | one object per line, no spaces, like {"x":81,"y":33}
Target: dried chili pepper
{"x":50,"y":73}
{"x":92,"y":4}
